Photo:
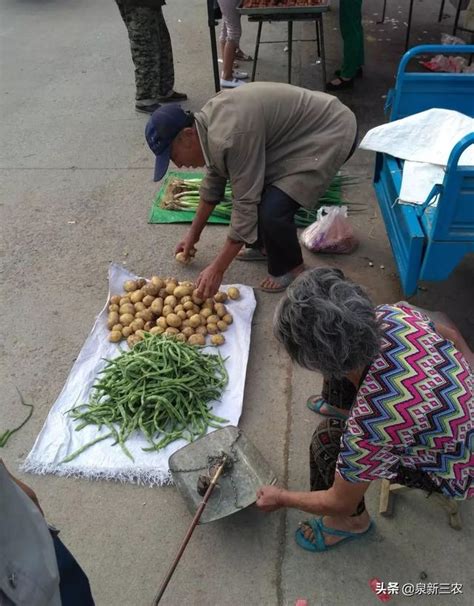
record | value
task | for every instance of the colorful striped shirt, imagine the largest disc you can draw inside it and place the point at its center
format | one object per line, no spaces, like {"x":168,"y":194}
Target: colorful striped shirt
{"x":414,"y":409}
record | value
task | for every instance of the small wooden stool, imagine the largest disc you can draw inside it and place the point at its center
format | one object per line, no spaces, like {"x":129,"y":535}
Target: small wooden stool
{"x":388,"y":489}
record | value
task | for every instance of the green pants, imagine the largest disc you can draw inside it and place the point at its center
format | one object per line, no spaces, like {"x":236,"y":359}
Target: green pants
{"x":350,"y":22}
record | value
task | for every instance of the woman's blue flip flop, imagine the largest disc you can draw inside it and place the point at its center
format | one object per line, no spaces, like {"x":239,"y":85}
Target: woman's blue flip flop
{"x":316,"y":404}
{"x":318,"y":545}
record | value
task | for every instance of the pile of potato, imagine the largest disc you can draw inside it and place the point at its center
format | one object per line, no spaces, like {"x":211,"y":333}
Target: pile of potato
{"x":166,"y":306}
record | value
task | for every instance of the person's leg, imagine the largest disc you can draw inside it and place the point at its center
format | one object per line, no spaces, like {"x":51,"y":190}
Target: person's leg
{"x":228,"y":60}
{"x":231,"y":18}
{"x":350,"y":22}
{"x":336,"y":399}
{"x":223,"y":38}
{"x":323,"y":453}
{"x":140,"y":26}
{"x":73,"y":583}
{"x":241,"y":56}
{"x":340,"y":393}
{"x":239,"y":53}
{"x":164,"y":52}
{"x":277,"y":229}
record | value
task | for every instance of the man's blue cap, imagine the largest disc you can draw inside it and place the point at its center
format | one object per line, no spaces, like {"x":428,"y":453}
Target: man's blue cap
{"x":163,"y":126}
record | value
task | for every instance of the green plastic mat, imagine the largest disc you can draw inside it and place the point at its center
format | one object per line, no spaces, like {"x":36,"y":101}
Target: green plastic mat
{"x":304,"y":217}
{"x":161,"y":215}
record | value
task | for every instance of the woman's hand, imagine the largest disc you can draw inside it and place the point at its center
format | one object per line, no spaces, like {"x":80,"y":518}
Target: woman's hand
{"x":209,"y":281}
{"x":269,"y":498}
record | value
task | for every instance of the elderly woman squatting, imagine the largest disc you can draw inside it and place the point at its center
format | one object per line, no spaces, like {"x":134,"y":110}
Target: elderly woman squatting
{"x":410,"y":413}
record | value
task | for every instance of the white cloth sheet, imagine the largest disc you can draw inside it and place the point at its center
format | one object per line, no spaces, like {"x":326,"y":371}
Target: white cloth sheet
{"x":425,"y":141}
{"x":58,"y":437}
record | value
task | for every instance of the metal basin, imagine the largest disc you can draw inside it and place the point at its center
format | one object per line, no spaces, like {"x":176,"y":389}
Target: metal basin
{"x":237,"y":488}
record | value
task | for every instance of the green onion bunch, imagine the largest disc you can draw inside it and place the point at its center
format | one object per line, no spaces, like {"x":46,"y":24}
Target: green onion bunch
{"x":183,"y":194}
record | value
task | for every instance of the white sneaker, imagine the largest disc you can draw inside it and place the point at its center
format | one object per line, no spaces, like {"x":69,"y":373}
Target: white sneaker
{"x":234,"y":83}
{"x":240,"y":75}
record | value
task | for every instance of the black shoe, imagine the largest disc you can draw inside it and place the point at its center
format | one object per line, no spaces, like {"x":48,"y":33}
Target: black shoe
{"x":147,"y":109}
{"x":343,"y":85}
{"x":173,"y":97}
{"x":359,"y":73}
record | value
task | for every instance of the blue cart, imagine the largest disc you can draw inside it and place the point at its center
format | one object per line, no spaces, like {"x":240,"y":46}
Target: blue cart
{"x":428,"y":241}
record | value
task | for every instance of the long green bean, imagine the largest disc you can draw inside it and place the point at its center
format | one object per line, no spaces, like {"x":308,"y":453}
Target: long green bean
{"x":161,"y":388}
{"x":7,"y":434}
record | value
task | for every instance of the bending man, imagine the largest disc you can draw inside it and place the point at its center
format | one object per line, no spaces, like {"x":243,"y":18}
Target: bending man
{"x":279,"y":146}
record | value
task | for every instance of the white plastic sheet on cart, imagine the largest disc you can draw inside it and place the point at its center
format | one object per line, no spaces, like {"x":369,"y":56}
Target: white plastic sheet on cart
{"x":58,"y":437}
{"x":418,"y":181}
{"x":425,"y":141}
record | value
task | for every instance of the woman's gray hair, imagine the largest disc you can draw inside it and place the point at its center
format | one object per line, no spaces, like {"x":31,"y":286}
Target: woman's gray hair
{"x":327,"y":323}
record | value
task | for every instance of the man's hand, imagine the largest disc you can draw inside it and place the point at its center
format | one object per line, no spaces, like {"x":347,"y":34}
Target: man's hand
{"x":211,"y":278}
{"x":209,"y":281}
{"x":186,"y":245}
{"x":269,"y":498}
{"x":203,"y":212}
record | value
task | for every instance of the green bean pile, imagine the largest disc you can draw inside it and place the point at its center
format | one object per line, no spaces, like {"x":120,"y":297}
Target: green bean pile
{"x":161,"y":388}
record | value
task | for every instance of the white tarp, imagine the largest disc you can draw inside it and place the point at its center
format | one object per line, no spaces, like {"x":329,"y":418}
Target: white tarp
{"x":58,"y":437}
{"x":425,"y":141}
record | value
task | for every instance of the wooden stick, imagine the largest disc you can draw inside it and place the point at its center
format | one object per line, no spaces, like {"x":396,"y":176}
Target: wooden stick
{"x":194,"y":523}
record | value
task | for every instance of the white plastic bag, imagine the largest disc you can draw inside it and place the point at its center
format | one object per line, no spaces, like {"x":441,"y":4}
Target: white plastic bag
{"x":331,"y":232}
{"x":449,"y":40}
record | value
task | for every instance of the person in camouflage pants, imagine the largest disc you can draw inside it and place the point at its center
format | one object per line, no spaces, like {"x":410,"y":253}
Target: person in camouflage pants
{"x":152,"y":55}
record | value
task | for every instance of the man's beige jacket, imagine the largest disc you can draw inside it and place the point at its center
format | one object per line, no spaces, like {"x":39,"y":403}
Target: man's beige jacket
{"x":266,"y":133}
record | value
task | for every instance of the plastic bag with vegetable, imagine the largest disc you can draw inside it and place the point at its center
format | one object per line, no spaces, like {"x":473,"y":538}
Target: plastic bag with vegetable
{"x":331,"y":232}
{"x":441,"y":63}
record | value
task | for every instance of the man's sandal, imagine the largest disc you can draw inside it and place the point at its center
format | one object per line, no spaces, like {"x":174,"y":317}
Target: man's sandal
{"x":283,"y":282}
{"x":319,"y":529}
{"x":318,"y":403}
{"x":251,"y":254}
